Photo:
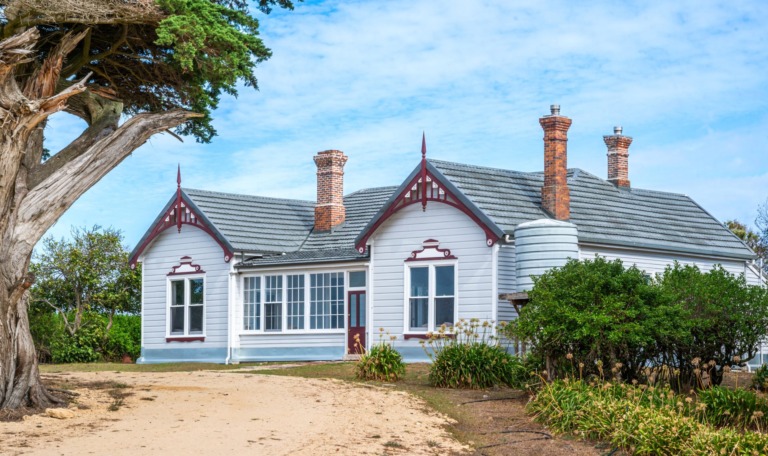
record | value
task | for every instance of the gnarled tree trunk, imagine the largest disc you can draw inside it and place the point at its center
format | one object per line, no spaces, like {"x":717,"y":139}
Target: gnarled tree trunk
{"x":34,"y":194}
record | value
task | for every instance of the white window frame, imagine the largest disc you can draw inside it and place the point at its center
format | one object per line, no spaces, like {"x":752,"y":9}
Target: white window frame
{"x":187,"y":295}
{"x":430,"y":264}
{"x":307,"y":301}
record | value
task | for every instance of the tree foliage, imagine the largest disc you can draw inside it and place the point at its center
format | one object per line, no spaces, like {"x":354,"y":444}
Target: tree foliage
{"x":755,"y":240}
{"x":151,"y":56}
{"x":88,"y":273}
{"x":601,"y":314}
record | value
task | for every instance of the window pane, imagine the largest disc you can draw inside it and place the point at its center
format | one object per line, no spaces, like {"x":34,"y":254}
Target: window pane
{"x":273,"y":303}
{"x":443,"y":311}
{"x":177,"y":292}
{"x":177,"y":319}
{"x":362,"y":310}
{"x":357,"y":279}
{"x":251,"y":303}
{"x":326,"y":306}
{"x":444,"y":281}
{"x":195,"y":319}
{"x":419,"y":313}
{"x":353,"y":311}
{"x":419,"y":282}
{"x":295,"y":301}
{"x":273,"y":316}
{"x":196,"y":291}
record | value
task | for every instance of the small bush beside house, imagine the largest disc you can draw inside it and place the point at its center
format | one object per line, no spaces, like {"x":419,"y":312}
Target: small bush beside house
{"x":382,"y":362}
{"x":468,"y":355}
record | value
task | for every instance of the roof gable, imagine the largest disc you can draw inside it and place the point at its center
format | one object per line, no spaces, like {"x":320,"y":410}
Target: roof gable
{"x":180,"y":211}
{"x":426,"y":183}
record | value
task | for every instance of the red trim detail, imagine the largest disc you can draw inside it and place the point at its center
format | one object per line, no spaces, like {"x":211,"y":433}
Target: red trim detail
{"x":427,"y":336}
{"x":186,"y":260}
{"x":178,"y":196}
{"x":185,"y":339}
{"x":427,"y":188}
{"x":438,"y":254}
{"x":171,"y":218}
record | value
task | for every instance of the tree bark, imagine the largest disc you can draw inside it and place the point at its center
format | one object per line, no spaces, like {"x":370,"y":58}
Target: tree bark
{"x":34,"y":195}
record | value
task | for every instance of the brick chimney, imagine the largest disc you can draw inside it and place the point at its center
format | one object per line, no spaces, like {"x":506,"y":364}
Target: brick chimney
{"x":329,"y":210}
{"x":618,"y":157}
{"x":555,"y":196}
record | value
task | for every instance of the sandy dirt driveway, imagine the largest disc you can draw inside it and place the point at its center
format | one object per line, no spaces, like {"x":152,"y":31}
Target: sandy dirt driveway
{"x":229,"y":413}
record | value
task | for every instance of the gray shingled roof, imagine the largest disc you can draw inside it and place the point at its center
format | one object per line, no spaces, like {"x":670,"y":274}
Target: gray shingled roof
{"x":282,"y":229}
{"x":256,"y":223}
{"x":602,"y":212}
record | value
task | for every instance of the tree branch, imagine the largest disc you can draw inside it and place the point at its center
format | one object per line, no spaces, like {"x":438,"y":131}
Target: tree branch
{"x":54,"y":194}
{"x":43,"y":81}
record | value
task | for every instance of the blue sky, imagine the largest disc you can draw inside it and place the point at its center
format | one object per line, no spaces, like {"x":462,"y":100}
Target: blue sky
{"x":688,"y":80}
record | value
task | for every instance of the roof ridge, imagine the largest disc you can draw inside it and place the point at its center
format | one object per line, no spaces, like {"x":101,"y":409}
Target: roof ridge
{"x":244,"y":196}
{"x":386,"y":187}
{"x":466,"y":165}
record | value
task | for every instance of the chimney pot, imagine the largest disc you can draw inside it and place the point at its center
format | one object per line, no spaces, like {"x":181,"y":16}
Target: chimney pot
{"x":555,"y":195}
{"x":618,"y":157}
{"x":329,"y":210}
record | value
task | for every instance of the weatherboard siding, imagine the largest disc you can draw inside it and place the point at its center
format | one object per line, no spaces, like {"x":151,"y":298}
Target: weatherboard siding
{"x":164,"y":253}
{"x":404,"y":233}
{"x":655,"y":263}
{"x":506,"y":281}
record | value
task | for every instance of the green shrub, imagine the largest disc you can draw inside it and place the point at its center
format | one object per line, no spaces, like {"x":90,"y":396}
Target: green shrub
{"x":90,"y":343}
{"x":382,"y":362}
{"x":468,"y":355}
{"x":641,"y":420}
{"x":599,"y":311}
{"x":738,"y":408}
{"x":760,"y":378}
{"x":82,"y":347}
{"x":124,"y":338}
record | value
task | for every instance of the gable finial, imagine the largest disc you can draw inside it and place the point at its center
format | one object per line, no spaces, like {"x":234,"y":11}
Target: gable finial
{"x":178,"y":198}
{"x":423,"y":171}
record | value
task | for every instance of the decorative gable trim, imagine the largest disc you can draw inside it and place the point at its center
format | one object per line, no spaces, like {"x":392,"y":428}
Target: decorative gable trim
{"x":427,"y":184}
{"x":178,"y":212}
{"x":186,"y":267}
{"x":431,"y":251}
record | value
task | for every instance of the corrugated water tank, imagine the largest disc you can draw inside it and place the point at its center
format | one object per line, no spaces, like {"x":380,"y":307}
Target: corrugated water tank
{"x":541,"y":245}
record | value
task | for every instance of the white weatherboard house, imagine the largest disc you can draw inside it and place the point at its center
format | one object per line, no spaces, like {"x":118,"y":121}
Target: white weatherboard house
{"x":230,"y":278}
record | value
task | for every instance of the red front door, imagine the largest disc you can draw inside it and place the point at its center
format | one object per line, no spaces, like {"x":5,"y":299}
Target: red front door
{"x":356,"y":321}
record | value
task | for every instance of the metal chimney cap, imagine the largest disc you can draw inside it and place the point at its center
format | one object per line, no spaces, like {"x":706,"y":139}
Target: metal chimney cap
{"x":617,"y":130}
{"x":554,"y":109}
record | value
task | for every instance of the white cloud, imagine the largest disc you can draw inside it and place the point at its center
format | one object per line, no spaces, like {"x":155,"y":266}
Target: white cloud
{"x":686,"y":79}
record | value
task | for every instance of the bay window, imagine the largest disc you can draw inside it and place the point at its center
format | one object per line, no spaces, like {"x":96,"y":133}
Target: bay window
{"x":431,"y":296}
{"x":294,"y":302}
